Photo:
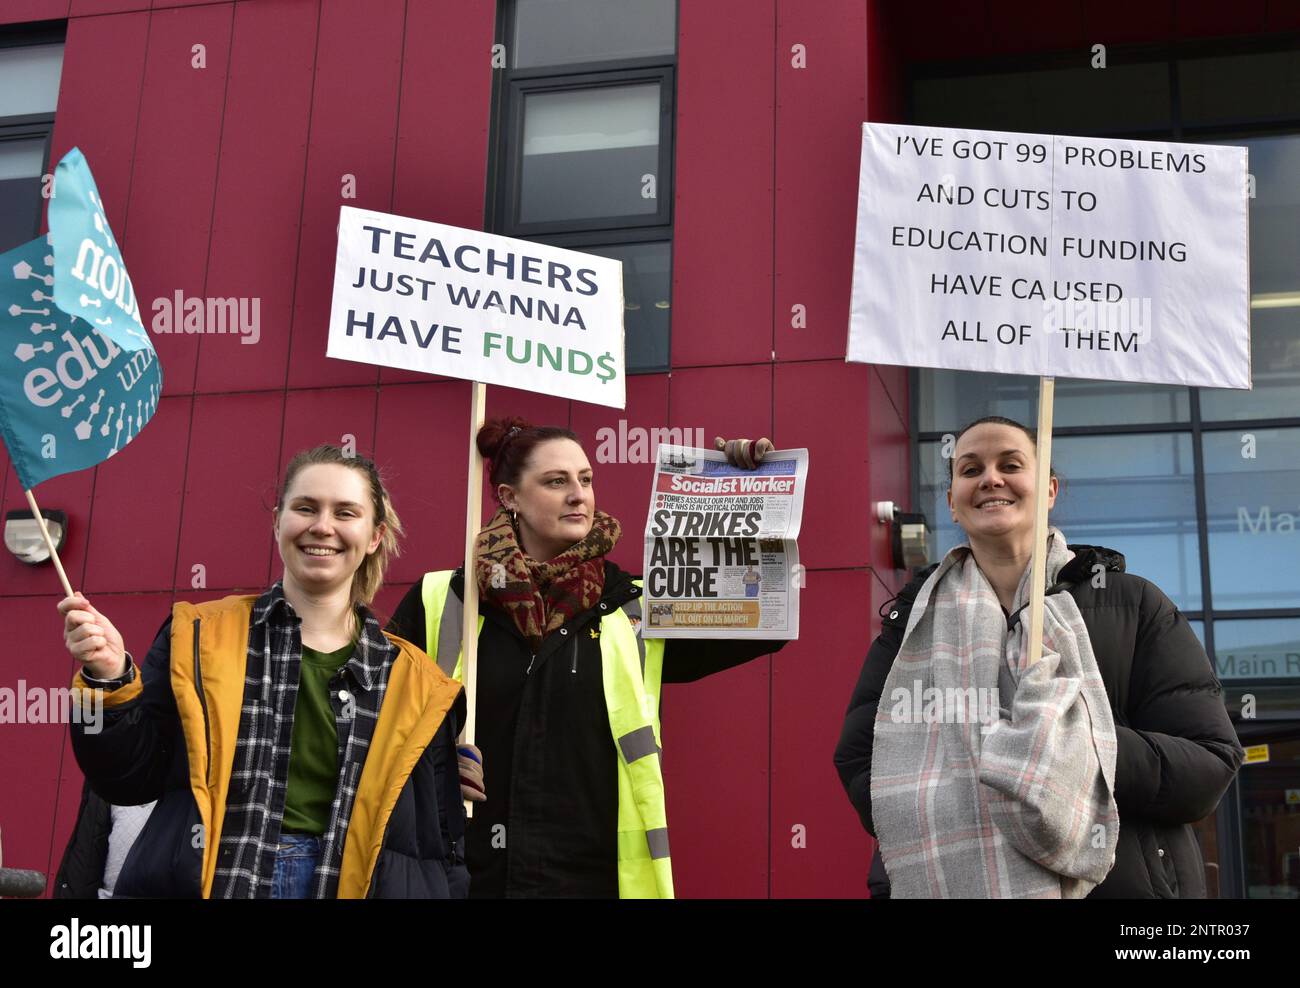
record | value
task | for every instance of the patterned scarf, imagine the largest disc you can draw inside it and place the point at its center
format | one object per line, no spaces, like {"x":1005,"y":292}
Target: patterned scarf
{"x":541,"y":596}
{"x":989,"y":780}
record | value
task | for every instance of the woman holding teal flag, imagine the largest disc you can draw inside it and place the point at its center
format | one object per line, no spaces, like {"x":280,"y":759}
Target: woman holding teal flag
{"x":295,"y":750}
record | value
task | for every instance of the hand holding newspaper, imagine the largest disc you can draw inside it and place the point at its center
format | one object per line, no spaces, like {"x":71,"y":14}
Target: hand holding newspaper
{"x":721,"y":560}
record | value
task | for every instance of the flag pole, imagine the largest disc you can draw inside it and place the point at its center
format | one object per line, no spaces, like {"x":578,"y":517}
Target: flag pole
{"x":49,"y":543}
{"x":473,"y":522}
{"x":1038,"y":564}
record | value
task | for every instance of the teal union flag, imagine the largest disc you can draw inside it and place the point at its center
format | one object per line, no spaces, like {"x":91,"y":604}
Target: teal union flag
{"x":78,"y":374}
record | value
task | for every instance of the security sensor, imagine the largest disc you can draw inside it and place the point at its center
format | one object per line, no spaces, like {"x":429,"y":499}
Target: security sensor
{"x":23,"y":535}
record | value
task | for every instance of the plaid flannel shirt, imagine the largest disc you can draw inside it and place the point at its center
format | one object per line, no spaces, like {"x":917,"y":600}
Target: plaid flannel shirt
{"x":259,"y":776}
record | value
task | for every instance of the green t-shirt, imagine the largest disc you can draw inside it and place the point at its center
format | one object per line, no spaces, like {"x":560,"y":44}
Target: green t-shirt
{"x":314,"y":748}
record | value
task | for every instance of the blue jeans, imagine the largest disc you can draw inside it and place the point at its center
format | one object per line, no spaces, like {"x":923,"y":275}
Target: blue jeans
{"x":295,"y":866}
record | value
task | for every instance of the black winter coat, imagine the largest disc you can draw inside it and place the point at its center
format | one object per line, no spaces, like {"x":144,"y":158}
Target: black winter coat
{"x":549,"y":825}
{"x":81,"y":872}
{"x":1178,"y":751}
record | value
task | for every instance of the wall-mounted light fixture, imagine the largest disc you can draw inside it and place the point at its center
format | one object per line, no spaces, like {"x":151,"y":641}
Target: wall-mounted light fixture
{"x":23,"y":534}
{"x":910,"y":538}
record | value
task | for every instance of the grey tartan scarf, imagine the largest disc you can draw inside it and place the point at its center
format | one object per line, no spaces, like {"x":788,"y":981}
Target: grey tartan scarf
{"x":990,"y":781}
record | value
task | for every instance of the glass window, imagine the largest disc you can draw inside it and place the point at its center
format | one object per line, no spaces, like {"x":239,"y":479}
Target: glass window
{"x":1274,"y":286}
{"x":29,"y":91}
{"x":1252,"y":501}
{"x":21,"y":165}
{"x":1257,"y":648}
{"x":564,"y":32}
{"x":951,"y":399}
{"x":647,"y":292}
{"x":1270,"y":818}
{"x":1134,"y":494}
{"x":29,"y":79}
{"x":590,"y":153}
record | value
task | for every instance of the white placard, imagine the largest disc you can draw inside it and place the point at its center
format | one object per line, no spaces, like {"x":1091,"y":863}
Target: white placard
{"x":462,"y":303}
{"x":1059,"y":256}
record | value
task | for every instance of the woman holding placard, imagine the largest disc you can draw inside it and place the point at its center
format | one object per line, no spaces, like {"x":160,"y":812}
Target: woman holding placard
{"x":1079,"y":775}
{"x":295,"y":750}
{"x":568,"y":690}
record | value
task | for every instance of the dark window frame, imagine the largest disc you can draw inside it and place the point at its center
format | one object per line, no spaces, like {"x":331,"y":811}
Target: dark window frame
{"x":508,"y":190}
{"x":33,"y":126}
{"x":501,"y":200}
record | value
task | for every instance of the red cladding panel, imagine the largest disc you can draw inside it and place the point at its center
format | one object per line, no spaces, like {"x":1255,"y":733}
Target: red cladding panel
{"x":716,"y":730}
{"x":722,"y":236}
{"x":30,"y":766}
{"x":439,"y":179}
{"x":353,"y":128}
{"x":889,"y":465}
{"x":732,"y":402}
{"x":22,"y":11}
{"x":824,"y":406}
{"x":715,"y":738}
{"x":436,"y":179}
{"x":169,"y":216}
{"x":820,"y":106}
{"x":538,"y":409}
{"x":422,"y":449}
{"x":104,"y":129}
{"x":819,"y":849}
{"x":895,"y":381}
{"x":259,"y":191}
{"x":329,"y":416}
{"x":620,"y":447}
{"x":234,"y":463}
{"x":136,"y":524}
{"x":86,"y":8}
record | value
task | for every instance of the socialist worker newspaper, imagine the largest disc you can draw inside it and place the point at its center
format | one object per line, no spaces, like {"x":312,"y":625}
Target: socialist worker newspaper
{"x":721,"y":560}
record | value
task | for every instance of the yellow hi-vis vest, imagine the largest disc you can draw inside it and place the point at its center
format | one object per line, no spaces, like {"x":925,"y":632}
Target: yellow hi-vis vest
{"x":631,"y":671}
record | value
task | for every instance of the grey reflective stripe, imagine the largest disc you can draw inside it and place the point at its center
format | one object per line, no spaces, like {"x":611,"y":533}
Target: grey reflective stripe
{"x":633,"y":610}
{"x":449,"y":633}
{"x":639,"y":743}
{"x":658,"y":841}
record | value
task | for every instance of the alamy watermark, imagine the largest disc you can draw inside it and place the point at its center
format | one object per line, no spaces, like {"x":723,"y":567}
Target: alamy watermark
{"x":633,"y":444}
{"x":52,"y":705}
{"x":182,"y":316}
{"x":919,"y":704}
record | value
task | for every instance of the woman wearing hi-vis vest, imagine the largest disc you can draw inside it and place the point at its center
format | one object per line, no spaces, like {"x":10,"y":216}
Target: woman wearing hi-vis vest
{"x":568,"y":690}
{"x":295,"y":749}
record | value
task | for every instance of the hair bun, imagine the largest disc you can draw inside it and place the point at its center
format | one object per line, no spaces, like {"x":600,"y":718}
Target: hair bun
{"x":495,"y":433}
